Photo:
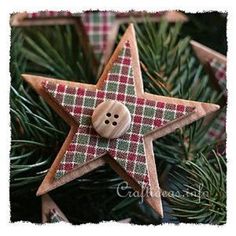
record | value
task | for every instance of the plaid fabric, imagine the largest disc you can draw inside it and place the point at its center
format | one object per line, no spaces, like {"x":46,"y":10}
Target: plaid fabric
{"x":217,"y":131}
{"x":219,"y":71}
{"x":98,"y":26}
{"x":128,"y":150}
{"x":54,"y":217}
{"x":48,"y":14}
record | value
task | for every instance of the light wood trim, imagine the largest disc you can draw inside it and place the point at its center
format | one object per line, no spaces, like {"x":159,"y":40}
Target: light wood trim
{"x":205,"y":54}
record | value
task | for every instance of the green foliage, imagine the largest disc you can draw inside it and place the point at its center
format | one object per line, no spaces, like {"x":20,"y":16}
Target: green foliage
{"x":36,"y":129}
{"x":202,"y":187}
{"x":169,"y":68}
{"x":56,"y":51}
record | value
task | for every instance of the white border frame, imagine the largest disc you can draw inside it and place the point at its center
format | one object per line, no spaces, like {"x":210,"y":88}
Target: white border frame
{"x":123,"y":229}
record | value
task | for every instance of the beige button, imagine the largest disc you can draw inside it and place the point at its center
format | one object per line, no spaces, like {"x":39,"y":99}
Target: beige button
{"x":111,"y":119}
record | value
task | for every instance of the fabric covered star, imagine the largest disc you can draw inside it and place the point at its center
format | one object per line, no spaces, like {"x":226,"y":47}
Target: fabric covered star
{"x":216,"y":65}
{"x":131,"y":154}
{"x":128,"y":150}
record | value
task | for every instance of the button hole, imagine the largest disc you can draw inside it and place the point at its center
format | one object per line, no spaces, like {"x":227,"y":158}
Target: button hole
{"x":114,"y":123}
{"x":108,"y":114}
{"x":116,"y":116}
{"x":106,"y":122}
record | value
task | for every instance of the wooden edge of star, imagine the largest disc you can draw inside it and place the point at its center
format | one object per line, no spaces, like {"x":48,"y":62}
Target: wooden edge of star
{"x":20,"y":19}
{"x":47,"y":205}
{"x":201,"y":110}
{"x":206,"y":54}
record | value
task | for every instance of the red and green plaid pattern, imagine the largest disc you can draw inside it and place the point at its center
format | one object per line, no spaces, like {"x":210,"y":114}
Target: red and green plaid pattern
{"x":219,"y":71}
{"x":128,"y":150}
{"x":217,"y":131}
{"x":98,"y":26}
{"x":54,"y":217}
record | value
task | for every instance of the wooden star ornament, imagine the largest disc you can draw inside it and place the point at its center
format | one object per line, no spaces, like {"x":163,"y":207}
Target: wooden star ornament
{"x":114,"y":122}
{"x":99,"y":28}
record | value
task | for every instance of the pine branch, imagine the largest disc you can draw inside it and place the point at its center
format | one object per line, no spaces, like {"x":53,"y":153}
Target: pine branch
{"x":201,"y":188}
